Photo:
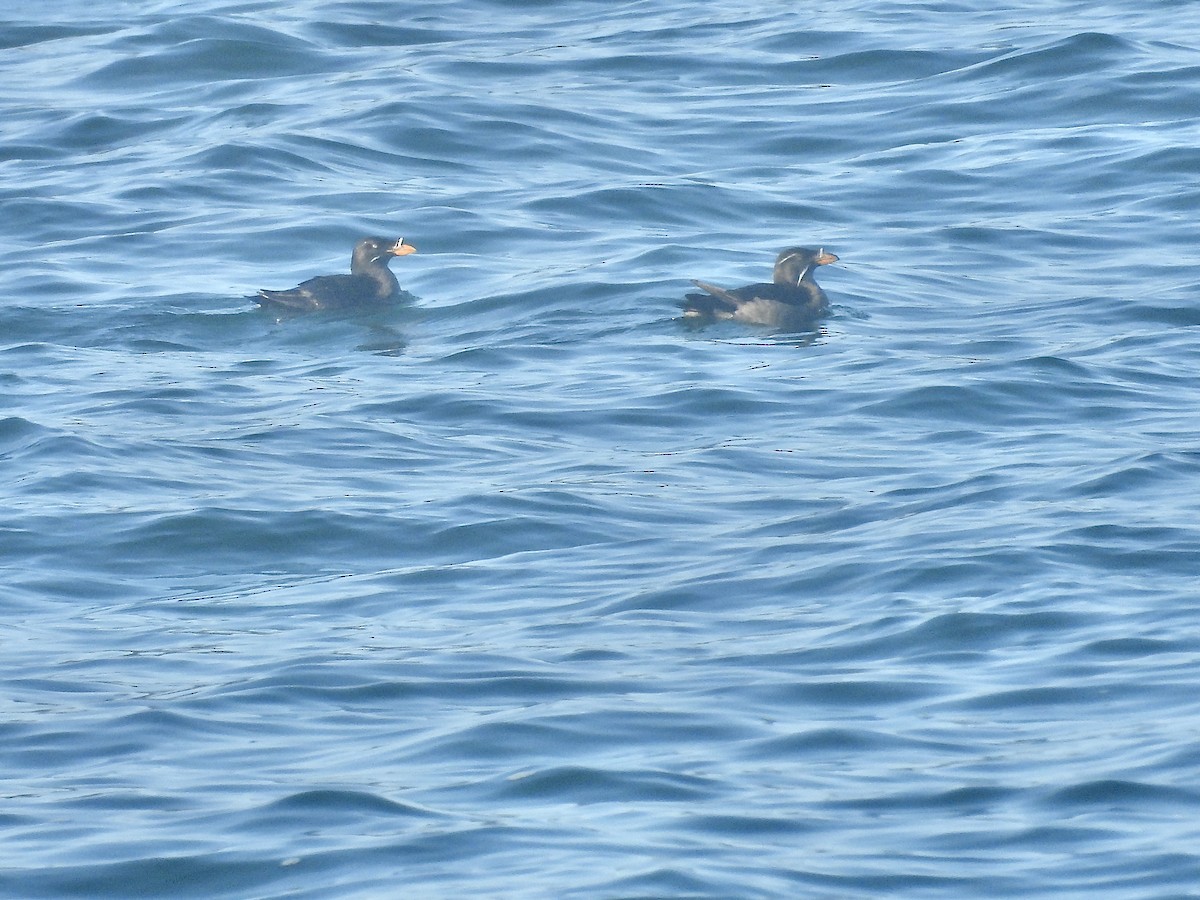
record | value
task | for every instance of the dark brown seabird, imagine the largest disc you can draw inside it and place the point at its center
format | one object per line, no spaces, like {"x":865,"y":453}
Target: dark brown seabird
{"x":792,"y":302}
{"x":369,"y":283}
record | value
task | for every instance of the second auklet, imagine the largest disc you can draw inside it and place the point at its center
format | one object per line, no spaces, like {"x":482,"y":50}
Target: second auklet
{"x":792,"y":302}
{"x":369,"y":283}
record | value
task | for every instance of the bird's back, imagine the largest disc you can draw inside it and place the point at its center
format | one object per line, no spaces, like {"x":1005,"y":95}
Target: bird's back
{"x":325,"y":292}
{"x":787,"y":306}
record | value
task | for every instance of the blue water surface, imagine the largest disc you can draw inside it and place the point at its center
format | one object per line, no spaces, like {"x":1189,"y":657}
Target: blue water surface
{"x":524,"y":587}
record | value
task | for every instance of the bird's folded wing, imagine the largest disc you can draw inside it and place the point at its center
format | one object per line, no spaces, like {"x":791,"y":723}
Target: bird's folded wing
{"x":718,"y":292}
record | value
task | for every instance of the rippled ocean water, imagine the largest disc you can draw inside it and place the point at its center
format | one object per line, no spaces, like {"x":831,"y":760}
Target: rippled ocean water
{"x":523,"y":589}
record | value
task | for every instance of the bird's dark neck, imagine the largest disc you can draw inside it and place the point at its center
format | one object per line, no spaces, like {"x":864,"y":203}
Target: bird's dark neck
{"x":379,"y":273}
{"x":816,"y":296}
{"x":806,"y":291}
{"x":793,"y":275}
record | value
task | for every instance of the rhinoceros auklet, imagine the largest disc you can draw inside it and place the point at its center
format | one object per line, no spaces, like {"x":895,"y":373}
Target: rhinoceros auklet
{"x":794,"y":301}
{"x":370,"y":281}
